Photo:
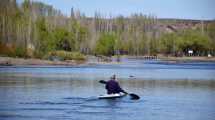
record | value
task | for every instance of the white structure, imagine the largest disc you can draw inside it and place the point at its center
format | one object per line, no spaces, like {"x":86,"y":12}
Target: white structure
{"x":190,"y":52}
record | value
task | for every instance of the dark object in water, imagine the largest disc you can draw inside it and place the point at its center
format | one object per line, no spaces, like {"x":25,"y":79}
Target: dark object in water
{"x":131,"y":76}
{"x":132,"y":95}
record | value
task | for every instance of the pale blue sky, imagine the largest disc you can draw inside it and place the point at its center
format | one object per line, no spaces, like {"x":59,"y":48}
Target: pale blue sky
{"x":184,"y":9}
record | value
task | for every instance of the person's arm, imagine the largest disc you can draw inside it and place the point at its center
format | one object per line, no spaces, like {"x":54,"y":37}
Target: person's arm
{"x":120,"y":89}
{"x":106,"y":86}
{"x":123,"y":91}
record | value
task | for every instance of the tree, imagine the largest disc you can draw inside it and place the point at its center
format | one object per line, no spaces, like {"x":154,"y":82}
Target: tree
{"x":194,"y":40}
{"x":211,"y":33}
{"x":105,"y":44}
{"x":167,"y":43}
{"x":64,"y":40}
{"x":43,"y":28}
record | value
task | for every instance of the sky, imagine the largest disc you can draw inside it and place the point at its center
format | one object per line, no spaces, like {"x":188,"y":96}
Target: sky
{"x":181,"y":9}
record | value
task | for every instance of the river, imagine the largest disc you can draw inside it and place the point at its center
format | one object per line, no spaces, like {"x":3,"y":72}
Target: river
{"x":168,"y":90}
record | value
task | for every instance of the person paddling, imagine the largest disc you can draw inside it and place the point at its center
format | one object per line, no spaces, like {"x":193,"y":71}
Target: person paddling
{"x":113,"y":87}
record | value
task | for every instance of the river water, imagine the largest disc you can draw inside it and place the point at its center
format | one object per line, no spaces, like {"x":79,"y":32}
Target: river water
{"x":168,"y":90}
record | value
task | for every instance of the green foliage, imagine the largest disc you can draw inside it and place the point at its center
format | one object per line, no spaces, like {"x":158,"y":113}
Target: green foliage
{"x":45,"y":29}
{"x":57,"y":39}
{"x":154,"y":45}
{"x":80,"y":35}
{"x":167,"y":44}
{"x":196,"y":41}
{"x":211,"y":33}
{"x":182,"y":42}
{"x":64,"y":40}
{"x":105,"y":45}
{"x":20,"y":52}
{"x":45,"y":41}
{"x":66,"y":55}
{"x":211,"y":30}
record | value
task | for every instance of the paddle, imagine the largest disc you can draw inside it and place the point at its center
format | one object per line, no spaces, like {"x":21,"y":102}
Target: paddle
{"x":132,"y":95}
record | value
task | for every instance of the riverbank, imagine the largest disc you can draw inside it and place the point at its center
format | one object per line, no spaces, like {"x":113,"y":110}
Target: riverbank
{"x":203,"y":59}
{"x":170,"y":58}
{"x":9,"y":61}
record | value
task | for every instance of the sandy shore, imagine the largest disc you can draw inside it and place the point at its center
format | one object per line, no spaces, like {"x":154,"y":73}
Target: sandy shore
{"x":9,"y":61}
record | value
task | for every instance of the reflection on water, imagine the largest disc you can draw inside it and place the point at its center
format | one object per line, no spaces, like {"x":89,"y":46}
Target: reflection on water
{"x":67,"y":93}
{"x":139,"y":69}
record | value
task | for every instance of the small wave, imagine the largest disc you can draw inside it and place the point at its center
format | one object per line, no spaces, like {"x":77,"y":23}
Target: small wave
{"x":87,"y":112}
{"x":78,"y":100}
{"x":13,"y":116}
{"x":56,"y":109}
{"x":74,"y":98}
{"x":47,"y":103}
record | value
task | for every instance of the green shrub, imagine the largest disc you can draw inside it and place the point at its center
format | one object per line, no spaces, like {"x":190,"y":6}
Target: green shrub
{"x":64,"y":55}
{"x":20,"y":52}
{"x":105,"y":45}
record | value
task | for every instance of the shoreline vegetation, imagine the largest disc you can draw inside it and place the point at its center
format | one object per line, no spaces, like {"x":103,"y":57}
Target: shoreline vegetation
{"x":45,"y":36}
{"x":10,"y":61}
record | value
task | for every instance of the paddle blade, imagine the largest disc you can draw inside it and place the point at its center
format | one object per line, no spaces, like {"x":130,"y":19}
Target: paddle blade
{"x":103,"y":81}
{"x":134,"y":96}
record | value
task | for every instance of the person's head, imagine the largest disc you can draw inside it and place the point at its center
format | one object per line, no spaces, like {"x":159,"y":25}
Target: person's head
{"x":113,"y":77}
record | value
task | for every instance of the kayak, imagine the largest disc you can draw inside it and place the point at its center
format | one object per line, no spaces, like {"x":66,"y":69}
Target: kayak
{"x":111,"y":96}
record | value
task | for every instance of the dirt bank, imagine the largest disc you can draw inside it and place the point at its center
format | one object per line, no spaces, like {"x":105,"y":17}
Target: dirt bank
{"x":9,"y":61}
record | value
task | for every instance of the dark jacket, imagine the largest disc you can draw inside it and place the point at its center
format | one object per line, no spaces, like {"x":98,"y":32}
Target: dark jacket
{"x":112,"y":87}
